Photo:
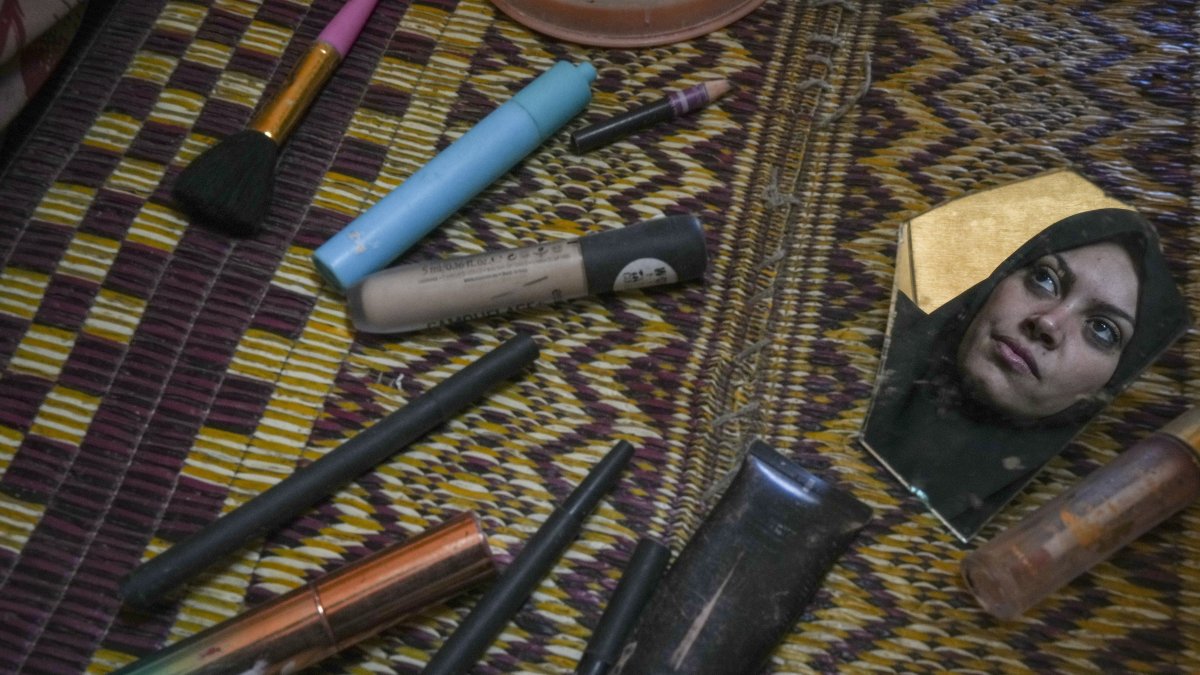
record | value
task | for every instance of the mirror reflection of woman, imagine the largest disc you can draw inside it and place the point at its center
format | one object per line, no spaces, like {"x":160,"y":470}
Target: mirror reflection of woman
{"x":1051,"y":335}
{"x":976,"y":396}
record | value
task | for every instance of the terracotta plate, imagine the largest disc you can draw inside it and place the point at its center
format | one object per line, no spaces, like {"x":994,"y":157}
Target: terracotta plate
{"x":626,"y":23}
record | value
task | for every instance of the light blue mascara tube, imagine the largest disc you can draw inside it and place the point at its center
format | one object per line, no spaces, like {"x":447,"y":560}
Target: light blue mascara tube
{"x":454,"y":176}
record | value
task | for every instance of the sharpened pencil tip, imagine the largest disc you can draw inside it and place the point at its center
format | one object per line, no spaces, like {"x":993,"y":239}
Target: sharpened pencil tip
{"x":717,"y":88}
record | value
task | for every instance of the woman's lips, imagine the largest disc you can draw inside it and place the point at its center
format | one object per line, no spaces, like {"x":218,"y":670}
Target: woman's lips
{"x":1016,"y":356}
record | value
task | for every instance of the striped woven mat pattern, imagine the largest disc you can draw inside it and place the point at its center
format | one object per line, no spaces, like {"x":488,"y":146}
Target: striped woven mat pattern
{"x":154,"y":375}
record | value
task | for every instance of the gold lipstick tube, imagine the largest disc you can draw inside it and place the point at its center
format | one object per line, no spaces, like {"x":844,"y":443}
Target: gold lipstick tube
{"x":341,"y":608}
{"x":279,"y":116}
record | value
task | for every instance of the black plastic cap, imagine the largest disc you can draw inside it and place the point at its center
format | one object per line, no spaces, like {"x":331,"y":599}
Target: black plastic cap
{"x":650,"y":253}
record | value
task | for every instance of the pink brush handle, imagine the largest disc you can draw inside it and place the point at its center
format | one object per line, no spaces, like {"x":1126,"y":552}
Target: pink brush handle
{"x":343,"y":30}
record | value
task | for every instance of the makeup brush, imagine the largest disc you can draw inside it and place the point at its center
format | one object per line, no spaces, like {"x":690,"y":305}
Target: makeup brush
{"x":229,"y":186}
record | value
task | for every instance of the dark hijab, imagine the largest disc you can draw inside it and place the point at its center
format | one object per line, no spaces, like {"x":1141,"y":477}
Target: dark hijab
{"x":965,"y":461}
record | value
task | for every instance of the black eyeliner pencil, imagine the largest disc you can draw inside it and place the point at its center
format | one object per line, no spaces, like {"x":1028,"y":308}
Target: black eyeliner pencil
{"x":645,"y":568}
{"x":151,"y":582}
{"x":495,"y":609}
{"x":676,"y":104}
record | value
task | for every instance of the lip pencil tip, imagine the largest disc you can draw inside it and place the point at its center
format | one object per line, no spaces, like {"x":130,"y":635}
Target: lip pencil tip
{"x":717,"y":88}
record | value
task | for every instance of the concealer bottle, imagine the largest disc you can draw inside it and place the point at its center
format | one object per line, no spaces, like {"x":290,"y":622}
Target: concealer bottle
{"x":421,"y":295}
{"x":1148,"y":483}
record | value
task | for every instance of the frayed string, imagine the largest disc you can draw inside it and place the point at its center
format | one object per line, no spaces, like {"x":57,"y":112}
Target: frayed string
{"x":740,"y":412}
{"x":770,"y":260}
{"x":773,"y":196}
{"x":751,"y":350}
{"x":763,"y":294}
{"x":845,"y":107}
{"x":815,"y":82}
{"x":819,"y":58}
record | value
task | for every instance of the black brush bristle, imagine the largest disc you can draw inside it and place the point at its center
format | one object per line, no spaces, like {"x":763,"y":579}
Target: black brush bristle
{"x":228,"y":187}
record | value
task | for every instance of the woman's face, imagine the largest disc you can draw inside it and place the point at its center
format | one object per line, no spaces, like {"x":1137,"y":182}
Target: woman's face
{"x":1051,"y":333}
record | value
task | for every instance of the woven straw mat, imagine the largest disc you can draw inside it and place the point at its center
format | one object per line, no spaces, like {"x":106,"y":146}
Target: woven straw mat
{"x":155,"y":375}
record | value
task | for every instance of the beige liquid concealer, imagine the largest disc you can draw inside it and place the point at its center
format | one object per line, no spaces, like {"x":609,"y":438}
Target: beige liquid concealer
{"x":420,"y":295}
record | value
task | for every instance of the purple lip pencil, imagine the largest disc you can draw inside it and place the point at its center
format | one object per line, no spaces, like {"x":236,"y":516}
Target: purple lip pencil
{"x":229,"y":186}
{"x":676,"y":104}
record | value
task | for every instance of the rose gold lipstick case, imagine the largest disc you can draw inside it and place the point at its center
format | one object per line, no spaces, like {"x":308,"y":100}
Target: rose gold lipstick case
{"x":325,"y":616}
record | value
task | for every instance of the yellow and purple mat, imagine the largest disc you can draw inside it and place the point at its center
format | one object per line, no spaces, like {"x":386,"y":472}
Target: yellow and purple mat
{"x":155,"y":375}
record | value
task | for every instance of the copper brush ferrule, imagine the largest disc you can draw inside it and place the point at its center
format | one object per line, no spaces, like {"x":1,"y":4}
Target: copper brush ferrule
{"x":323,"y":617}
{"x":281,"y":114}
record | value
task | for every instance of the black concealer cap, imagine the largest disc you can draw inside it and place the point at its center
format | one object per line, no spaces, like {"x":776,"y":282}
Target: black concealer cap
{"x":673,"y":244}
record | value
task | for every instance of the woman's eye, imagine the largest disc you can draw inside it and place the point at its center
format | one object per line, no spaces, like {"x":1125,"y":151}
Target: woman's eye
{"x":1044,"y":278}
{"x":1105,"y":332}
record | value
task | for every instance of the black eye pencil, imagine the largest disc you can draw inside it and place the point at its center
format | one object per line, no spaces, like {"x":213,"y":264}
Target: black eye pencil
{"x":472,"y":637}
{"x":641,"y":575}
{"x":151,"y":582}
